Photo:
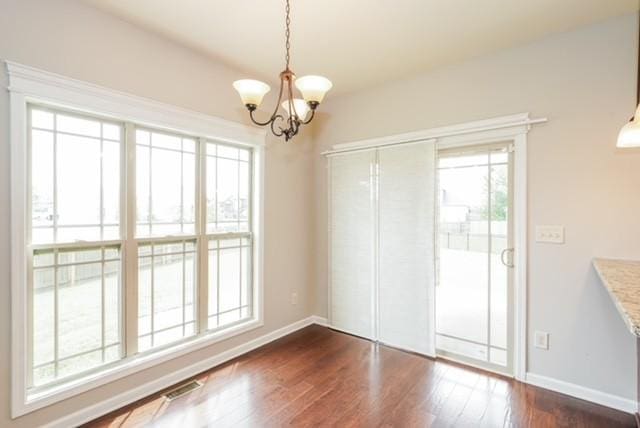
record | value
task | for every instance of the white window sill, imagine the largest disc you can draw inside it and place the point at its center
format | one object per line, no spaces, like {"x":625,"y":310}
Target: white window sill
{"x":127,"y":367}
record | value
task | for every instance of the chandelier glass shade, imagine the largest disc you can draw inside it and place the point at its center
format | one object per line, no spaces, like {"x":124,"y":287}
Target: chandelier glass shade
{"x":629,"y":135}
{"x":297,"y":111}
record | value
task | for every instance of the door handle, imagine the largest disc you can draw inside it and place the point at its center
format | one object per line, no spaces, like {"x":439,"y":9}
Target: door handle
{"x":502,"y":257}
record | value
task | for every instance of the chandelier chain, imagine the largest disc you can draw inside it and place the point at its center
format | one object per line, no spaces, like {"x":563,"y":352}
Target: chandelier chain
{"x":287,"y":33}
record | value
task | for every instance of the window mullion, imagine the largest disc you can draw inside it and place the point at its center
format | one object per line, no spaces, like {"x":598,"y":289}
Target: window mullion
{"x":130,"y":258}
{"x":101,"y":181}
{"x":202,"y":243}
{"x":55,"y":178}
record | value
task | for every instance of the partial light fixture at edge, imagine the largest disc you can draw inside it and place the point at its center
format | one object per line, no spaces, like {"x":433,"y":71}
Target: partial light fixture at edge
{"x":629,"y":135}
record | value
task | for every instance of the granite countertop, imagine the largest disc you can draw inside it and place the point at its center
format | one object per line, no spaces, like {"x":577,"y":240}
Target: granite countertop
{"x":622,"y":280}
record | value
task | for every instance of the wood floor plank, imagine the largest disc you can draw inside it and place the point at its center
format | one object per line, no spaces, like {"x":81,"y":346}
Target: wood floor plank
{"x":317,"y":377}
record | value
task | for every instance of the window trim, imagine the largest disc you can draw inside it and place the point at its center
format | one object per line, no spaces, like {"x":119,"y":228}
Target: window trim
{"x":29,"y":85}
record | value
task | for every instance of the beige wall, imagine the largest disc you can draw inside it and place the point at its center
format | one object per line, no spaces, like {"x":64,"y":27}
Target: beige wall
{"x":69,"y":38}
{"x":584,"y":82}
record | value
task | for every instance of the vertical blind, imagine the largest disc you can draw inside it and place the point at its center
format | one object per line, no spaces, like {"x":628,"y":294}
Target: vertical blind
{"x":382,"y":213}
{"x":352,"y":243}
{"x":406,"y":206}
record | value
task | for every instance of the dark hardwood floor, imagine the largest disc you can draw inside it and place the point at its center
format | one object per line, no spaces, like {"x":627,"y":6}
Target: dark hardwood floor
{"x":319,"y":377}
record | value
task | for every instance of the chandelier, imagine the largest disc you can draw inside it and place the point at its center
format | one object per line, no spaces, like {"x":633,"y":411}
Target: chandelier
{"x":298,"y":111}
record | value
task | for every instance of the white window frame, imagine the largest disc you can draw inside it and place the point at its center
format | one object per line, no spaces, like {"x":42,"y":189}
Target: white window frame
{"x":29,"y":85}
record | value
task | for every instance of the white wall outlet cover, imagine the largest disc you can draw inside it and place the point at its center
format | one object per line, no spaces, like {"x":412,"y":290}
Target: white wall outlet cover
{"x":541,"y":340}
{"x":550,"y":234}
{"x":294,"y":298}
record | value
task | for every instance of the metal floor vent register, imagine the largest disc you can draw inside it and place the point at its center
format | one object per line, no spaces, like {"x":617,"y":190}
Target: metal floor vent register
{"x":182,"y":390}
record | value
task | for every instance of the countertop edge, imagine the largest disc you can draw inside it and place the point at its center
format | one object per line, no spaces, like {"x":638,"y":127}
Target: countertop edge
{"x":634,"y":329}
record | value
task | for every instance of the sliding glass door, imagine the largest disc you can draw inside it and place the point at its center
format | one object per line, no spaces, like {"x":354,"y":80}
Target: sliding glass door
{"x":473,"y":290}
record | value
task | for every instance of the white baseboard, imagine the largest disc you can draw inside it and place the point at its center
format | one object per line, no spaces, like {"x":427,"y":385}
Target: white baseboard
{"x":92,"y":412}
{"x":320,"y":320}
{"x":583,"y":393}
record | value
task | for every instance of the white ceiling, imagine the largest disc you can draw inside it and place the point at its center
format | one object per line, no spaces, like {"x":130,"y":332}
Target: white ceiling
{"x":357,"y":43}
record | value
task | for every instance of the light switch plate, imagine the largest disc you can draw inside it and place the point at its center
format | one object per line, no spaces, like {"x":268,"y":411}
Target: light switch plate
{"x":550,"y":234}
{"x":541,"y":340}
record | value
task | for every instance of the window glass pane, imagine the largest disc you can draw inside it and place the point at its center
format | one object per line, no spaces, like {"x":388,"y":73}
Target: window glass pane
{"x":165,"y":186}
{"x":143,"y":185}
{"x":42,"y":185}
{"x":144,"y":295}
{"x":463,"y":160}
{"x":188,"y":193}
{"x":166,"y":277}
{"x":227,"y":152}
{"x":229,"y":281}
{"x":112,"y":353}
{"x":111,"y":182}
{"x":112,"y":298}
{"x":245,"y":280}
{"x":143,"y":137}
{"x":499,"y":157}
{"x":227,"y":191}
{"x":76,"y":311}
{"x":75,"y":256}
{"x":243,"y":191}
{"x":43,"y":374}
{"x":41,"y":119}
{"x":228,"y":188}
{"x":43,"y":310}
{"x":75,"y":176}
{"x":43,"y":258}
{"x":189,"y":145}
{"x":79,"y":363}
{"x":77,"y":125}
{"x":79,"y":308}
{"x":78,"y":233}
{"x":165,"y":141}
{"x":213,"y":287}
{"x":211,"y":190}
{"x":111,"y":132}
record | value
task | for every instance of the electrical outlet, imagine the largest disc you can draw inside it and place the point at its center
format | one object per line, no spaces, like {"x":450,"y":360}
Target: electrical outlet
{"x":541,"y":340}
{"x":550,"y":234}
{"x":294,"y":298}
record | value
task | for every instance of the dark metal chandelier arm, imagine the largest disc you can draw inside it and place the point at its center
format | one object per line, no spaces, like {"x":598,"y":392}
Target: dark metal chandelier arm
{"x":313,"y":113}
{"x":253,"y":119}
{"x":273,"y":122}
{"x":275,"y":110}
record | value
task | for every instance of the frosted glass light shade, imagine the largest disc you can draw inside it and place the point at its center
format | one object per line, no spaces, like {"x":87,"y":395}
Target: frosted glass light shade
{"x":313,"y":88}
{"x":629,"y":135}
{"x":251,"y":91}
{"x":300,"y":107}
